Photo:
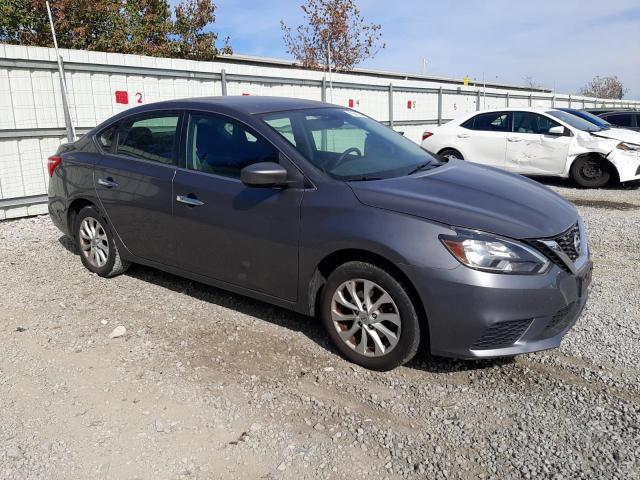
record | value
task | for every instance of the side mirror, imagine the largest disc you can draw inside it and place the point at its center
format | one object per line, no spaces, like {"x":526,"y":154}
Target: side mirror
{"x":557,"y":131}
{"x":264,"y":174}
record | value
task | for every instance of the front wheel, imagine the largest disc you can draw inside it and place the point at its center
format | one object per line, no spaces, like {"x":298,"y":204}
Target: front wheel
{"x":590,"y":172}
{"x":370,"y":317}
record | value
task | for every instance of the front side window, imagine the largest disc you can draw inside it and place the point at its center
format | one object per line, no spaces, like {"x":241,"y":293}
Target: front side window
{"x":348,"y":145}
{"x":490,"y":122}
{"x":222,"y":146}
{"x":620,"y":119}
{"x":149,"y":138}
{"x":528,"y":122}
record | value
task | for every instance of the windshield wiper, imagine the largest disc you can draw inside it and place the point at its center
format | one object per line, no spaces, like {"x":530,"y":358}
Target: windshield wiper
{"x":363,"y":179}
{"x":422,"y":166}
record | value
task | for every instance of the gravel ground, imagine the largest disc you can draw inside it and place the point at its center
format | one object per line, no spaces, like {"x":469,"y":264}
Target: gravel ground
{"x":207,"y":384}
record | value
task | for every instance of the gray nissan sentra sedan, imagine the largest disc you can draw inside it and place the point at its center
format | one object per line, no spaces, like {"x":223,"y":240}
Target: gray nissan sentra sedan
{"x":322,"y":210}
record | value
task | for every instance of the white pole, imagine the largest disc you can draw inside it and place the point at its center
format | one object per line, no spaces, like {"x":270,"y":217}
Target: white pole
{"x":330,"y":80}
{"x":71,"y":133}
{"x":484,"y":92}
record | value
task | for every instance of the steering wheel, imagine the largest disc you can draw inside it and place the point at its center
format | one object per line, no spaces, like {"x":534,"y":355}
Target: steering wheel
{"x":338,"y":161}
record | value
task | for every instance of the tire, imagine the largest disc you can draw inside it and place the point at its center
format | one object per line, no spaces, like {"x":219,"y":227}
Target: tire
{"x":98,"y":251}
{"x":451,"y":153}
{"x":398,"y":333}
{"x":590,"y":172}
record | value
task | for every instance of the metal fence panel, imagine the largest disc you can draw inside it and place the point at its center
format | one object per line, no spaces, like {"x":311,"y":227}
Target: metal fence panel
{"x":32,"y":119}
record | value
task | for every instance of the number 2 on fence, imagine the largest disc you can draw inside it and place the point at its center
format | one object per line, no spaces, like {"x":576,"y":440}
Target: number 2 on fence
{"x":139,"y":97}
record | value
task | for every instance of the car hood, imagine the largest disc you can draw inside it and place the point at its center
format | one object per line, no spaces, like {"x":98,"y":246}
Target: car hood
{"x":473,"y":196}
{"x":621,"y":134}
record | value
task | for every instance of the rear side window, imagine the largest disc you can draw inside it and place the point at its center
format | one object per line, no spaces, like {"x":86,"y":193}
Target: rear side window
{"x":490,"y":122}
{"x":620,"y":119}
{"x":222,"y":146}
{"x":149,"y":138}
{"x":527,"y":122}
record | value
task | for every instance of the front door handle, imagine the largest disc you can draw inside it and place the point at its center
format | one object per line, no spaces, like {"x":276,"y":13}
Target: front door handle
{"x":190,"y":200}
{"x":107,"y":182}
{"x":514,"y":139}
{"x":463,"y":135}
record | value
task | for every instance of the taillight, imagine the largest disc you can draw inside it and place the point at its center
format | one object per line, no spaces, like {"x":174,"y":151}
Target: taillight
{"x":52,"y":162}
{"x":426,"y":135}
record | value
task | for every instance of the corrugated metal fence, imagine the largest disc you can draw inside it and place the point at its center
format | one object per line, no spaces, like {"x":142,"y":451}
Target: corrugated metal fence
{"x":100,"y":84}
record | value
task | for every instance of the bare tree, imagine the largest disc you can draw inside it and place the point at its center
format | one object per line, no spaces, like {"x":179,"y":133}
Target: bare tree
{"x":335,"y":33}
{"x":604,"y":87}
{"x":531,"y":83}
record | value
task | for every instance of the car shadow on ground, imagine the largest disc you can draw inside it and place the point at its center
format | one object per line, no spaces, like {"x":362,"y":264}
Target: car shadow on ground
{"x":568,"y":183}
{"x":308,"y":326}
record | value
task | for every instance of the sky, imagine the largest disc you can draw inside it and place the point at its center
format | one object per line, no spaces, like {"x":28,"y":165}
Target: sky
{"x":561,"y":44}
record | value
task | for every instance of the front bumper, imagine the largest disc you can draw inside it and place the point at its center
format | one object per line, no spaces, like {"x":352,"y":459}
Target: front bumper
{"x":627,"y":163}
{"x":473,"y":314}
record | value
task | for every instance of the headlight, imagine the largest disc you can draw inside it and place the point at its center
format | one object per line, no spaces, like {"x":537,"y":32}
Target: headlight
{"x":490,"y":253}
{"x":628,"y":147}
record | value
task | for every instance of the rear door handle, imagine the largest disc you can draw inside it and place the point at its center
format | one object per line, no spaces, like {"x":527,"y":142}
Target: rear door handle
{"x":190,"y":200}
{"x":463,"y":135}
{"x":514,"y":139}
{"x":107,"y":182}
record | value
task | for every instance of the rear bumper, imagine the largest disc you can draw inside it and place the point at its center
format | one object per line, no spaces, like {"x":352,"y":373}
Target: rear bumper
{"x":474,"y":314}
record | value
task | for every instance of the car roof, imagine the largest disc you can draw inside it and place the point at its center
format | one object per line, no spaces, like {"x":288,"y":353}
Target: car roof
{"x":246,"y":104}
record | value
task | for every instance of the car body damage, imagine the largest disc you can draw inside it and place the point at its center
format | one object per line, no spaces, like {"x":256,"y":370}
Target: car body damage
{"x":537,"y":141}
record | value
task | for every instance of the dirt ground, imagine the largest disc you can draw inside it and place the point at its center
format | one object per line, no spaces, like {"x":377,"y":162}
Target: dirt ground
{"x":207,"y":384}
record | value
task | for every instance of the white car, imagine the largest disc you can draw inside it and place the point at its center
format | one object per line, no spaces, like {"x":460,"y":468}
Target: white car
{"x":539,"y":141}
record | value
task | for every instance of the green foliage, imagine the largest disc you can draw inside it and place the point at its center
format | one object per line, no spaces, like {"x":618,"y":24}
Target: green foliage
{"x":143,"y":27}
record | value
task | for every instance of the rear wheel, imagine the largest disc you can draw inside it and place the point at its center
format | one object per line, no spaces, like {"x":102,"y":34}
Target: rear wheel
{"x":94,"y":239}
{"x":451,"y":154}
{"x":369,"y":316}
{"x":591,"y":172}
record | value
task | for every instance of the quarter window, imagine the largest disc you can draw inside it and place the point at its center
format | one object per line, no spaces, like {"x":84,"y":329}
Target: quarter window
{"x":106,"y":137}
{"x":149,"y":138}
{"x":224,"y":147}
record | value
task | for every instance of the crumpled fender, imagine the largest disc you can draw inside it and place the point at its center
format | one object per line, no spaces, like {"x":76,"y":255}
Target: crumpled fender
{"x":585,"y":143}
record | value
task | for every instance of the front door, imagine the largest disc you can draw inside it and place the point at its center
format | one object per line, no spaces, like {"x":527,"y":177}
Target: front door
{"x":532,"y":150}
{"x":245,"y":236}
{"x":133,"y":180}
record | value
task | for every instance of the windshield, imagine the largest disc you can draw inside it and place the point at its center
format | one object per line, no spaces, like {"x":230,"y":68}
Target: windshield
{"x":589,"y":117}
{"x":348,"y":145}
{"x":575,"y":121}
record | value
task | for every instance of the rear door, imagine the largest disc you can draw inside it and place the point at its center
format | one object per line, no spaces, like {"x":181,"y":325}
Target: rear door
{"x":482,"y":138}
{"x":530,"y":147}
{"x":225,"y":230}
{"x":133,"y":180}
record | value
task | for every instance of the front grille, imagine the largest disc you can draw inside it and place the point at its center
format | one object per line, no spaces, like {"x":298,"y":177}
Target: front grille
{"x":559,"y":321}
{"x":565,"y":242}
{"x":503,"y":334}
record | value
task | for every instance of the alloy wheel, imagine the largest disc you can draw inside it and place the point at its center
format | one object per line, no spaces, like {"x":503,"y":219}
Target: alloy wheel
{"x":366,"y":317}
{"x":94,"y":244}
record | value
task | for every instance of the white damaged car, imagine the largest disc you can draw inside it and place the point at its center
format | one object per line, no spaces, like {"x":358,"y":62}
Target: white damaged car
{"x":540,"y":141}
